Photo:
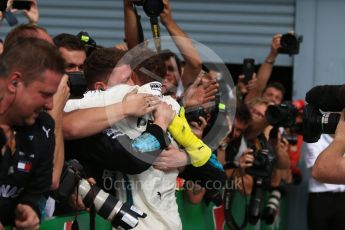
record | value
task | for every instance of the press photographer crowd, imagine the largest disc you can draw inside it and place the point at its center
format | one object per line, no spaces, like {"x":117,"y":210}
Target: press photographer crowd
{"x":116,"y":131}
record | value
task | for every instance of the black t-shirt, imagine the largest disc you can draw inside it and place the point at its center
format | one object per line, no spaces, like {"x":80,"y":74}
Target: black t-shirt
{"x":27,"y":175}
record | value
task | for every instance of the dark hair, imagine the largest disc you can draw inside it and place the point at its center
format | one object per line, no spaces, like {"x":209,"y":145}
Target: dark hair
{"x":24,"y":30}
{"x":152,"y":67}
{"x":31,"y":57}
{"x":100,"y":64}
{"x":242,"y":113}
{"x":68,"y":41}
{"x":167,"y":54}
{"x":276,"y":85}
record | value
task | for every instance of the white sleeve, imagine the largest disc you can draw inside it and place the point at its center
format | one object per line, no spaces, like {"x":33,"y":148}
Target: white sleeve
{"x":313,"y":150}
{"x":98,"y":98}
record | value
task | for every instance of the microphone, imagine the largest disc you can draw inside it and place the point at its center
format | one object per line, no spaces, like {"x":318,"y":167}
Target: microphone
{"x":327,"y":97}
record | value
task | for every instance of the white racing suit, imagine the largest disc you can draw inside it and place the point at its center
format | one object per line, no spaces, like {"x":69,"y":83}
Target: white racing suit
{"x":153,"y":191}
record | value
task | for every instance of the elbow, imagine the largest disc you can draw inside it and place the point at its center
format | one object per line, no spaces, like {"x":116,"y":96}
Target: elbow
{"x":70,"y":131}
{"x":316,"y":173}
{"x":55,"y":185}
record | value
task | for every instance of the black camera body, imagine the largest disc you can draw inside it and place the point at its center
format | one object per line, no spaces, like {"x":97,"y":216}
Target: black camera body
{"x":152,"y":8}
{"x":263,"y":164}
{"x":289,"y":44}
{"x":106,"y":205}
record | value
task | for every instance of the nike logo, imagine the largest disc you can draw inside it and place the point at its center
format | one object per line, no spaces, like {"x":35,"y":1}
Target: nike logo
{"x":201,"y":147}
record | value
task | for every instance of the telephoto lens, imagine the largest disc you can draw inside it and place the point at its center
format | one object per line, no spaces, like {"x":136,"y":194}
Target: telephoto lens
{"x":315,"y":123}
{"x":272,"y":208}
{"x":107,"y":206}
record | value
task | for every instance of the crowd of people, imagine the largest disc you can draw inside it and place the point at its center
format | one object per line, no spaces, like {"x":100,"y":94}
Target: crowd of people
{"x":132,"y":133}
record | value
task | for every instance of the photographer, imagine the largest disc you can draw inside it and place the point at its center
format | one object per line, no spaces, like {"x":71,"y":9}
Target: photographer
{"x":27,"y":159}
{"x":259,"y":128}
{"x":329,"y":166}
{"x":325,"y":201}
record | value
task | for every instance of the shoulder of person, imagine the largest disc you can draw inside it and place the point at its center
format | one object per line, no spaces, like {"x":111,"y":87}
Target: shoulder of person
{"x":44,"y":119}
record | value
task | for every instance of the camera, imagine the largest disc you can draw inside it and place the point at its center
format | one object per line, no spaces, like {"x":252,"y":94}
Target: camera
{"x":314,"y":122}
{"x":193,"y":114}
{"x":21,"y":4}
{"x":3,"y":5}
{"x":283,"y":115}
{"x":261,"y":171}
{"x":289,"y":44}
{"x":77,"y":83}
{"x":106,"y":205}
{"x":152,"y":8}
{"x":263,"y":163}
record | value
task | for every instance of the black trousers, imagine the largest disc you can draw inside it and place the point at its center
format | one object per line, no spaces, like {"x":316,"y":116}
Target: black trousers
{"x":326,"y":211}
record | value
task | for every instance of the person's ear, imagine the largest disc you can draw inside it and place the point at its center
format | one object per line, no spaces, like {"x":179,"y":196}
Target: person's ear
{"x":13,"y":82}
{"x":100,"y":86}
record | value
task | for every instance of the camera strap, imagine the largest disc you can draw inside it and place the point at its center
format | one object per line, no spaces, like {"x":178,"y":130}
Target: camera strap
{"x":229,"y":195}
{"x":75,"y":225}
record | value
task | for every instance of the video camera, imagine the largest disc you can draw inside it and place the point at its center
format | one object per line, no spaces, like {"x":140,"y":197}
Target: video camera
{"x":315,"y":120}
{"x":290,"y":44}
{"x":106,"y":205}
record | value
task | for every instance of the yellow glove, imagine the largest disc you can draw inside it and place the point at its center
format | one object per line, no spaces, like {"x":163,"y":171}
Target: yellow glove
{"x":179,"y":128}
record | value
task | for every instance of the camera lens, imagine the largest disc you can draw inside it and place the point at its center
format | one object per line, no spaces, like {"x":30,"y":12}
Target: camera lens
{"x":107,"y":206}
{"x":270,"y":212}
{"x":329,"y":122}
{"x":283,"y":115}
{"x":315,"y":123}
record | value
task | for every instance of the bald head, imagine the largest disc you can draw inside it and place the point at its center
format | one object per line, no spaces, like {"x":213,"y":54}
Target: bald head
{"x":27,"y":31}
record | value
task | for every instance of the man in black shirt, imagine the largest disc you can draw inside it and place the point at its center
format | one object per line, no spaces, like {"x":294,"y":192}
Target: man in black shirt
{"x":31,"y":70}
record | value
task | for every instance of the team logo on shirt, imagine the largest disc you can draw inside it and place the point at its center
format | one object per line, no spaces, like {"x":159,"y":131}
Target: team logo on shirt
{"x":24,"y":166}
{"x":46,"y":131}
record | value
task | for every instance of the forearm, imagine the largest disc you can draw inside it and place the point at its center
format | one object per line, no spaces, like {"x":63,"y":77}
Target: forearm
{"x":131,"y":28}
{"x":87,"y":122}
{"x":59,"y":154}
{"x":265,"y":70}
{"x":330,"y":164}
{"x":263,"y":75}
{"x":188,"y":51}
